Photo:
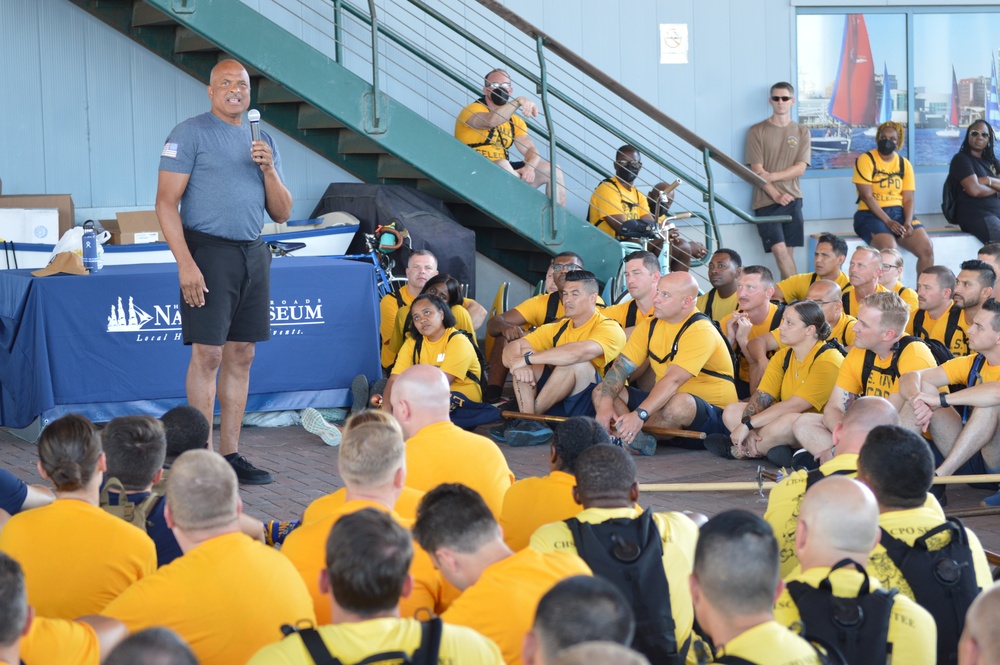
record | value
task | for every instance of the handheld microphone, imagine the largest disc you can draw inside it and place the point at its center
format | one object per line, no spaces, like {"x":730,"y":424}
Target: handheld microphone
{"x":253,"y":115}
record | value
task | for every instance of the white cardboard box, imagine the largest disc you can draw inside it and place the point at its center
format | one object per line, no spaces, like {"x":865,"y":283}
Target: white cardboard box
{"x":30,"y":225}
{"x":11,"y":224}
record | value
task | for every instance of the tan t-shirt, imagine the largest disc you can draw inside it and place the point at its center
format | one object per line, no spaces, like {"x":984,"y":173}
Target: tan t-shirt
{"x":777,"y":148}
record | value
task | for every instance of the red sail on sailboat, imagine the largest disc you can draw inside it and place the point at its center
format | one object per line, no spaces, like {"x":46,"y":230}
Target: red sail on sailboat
{"x":853,"y":101}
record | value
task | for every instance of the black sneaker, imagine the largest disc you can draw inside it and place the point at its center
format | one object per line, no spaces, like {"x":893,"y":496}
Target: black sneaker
{"x":719,"y":444}
{"x":803,"y":460}
{"x":939,"y":492}
{"x":780,"y":456}
{"x":492,"y":394}
{"x":246,"y":472}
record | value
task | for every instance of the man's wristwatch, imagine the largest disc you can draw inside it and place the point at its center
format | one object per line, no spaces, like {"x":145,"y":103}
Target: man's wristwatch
{"x":527,"y":357}
{"x":746,"y":421}
{"x":643,"y":414}
{"x":944,"y":399}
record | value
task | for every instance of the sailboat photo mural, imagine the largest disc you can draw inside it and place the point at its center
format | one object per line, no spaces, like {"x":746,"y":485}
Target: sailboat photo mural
{"x":853,"y":103}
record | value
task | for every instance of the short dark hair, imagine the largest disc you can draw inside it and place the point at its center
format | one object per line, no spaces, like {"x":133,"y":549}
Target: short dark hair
{"x":585,"y":277}
{"x":604,"y":471}
{"x":447,"y":316}
{"x":153,"y":646}
{"x":764,"y":272}
{"x":13,"y":600}
{"x":730,"y":536}
{"x":990,"y":249}
{"x":575,"y":435}
{"x":993,"y":307}
{"x":454,"y":516}
{"x":898,"y":466}
{"x":734,"y":256}
{"x":68,"y":450}
{"x":628,"y":147}
{"x":945,"y":277}
{"x":987,"y":277}
{"x":368,"y":556}
{"x":582,"y":609}
{"x":649,"y":260}
{"x":420,"y":252}
{"x":186,"y":429}
{"x":568,"y":255}
{"x":136,"y":447}
{"x":451,"y":285}
{"x":785,"y":85}
{"x":838,"y":244}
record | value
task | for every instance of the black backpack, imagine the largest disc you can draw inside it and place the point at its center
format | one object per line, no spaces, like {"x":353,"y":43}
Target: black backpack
{"x":898,"y":174}
{"x":827,"y":345}
{"x":483,"y":365}
{"x":858,"y":628}
{"x":938,"y":350}
{"x":950,"y":328}
{"x":426,"y":653}
{"x":973,"y":379}
{"x":943,"y":580}
{"x":629,"y":554}
{"x":697,"y":316}
{"x":949,"y":205}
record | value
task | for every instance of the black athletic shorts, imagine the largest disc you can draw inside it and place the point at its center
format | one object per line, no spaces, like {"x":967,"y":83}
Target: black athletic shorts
{"x":790,"y":233}
{"x":238,"y":303}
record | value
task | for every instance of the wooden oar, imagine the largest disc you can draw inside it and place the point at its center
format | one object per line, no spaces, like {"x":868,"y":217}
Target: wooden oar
{"x":656,"y":431}
{"x":755,"y":486}
{"x":973,"y":512}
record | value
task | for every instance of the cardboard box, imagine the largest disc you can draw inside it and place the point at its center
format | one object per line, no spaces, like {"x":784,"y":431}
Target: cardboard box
{"x":29,"y":225}
{"x":134,"y":228}
{"x":61,"y":202}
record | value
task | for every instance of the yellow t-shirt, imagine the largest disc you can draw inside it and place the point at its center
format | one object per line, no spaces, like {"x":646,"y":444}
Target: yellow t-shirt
{"x":535,"y":309}
{"x":623,"y":311}
{"x":353,"y":642}
{"x":445,"y":453}
{"x":501,"y":604}
{"x":908,"y":525}
{"x":770,"y":643}
{"x":784,"y":500}
{"x":388,"y":307}
{"x":406,"y":505}
{"x":912,"y":631}
{"x":927,"y":326}
{"x":960,"y":340}
{"x":533,"y":502}
{"x":811,"y":379}
{"x":598,"y":328}
{"x":76,"y":557}
{"x":758,"y":329}
{"x":701,"y":347}
{"x":305,"y":547}
{"x":883,"y":176}
{"x":453,"y":354}
{"x":797,"y":286}
{"x":60,"y":642}
{"x":463,"y":321}
{"x":853,"y":306}
{"x":679,"y":535}
{"x":959,"y":368}
{"x":614,"y":197}
{"x":909,"y":296}
{"x":915,"y":356}
{"x":227,"y":598}
{"x":493,"y":144}
{"x":721,"y":307}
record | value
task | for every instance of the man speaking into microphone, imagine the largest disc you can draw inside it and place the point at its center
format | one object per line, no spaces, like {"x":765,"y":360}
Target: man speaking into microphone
{"x":215,"y":184}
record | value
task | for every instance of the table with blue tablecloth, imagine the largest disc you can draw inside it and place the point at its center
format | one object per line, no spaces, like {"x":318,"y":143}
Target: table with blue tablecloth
{"x":109,"y":343}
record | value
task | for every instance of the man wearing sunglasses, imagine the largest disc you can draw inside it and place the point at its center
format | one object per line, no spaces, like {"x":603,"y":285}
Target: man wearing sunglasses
{"x":490,"y":127}
{"x":778,"y":150}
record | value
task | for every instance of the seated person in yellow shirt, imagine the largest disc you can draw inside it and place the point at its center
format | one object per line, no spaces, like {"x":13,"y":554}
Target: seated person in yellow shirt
{"x":864,"y":271}
{"x":108,"y":554}
{"x":557,"y":366}
{"x":967,"y":437}
{"x":420,"y":267}
{"x":828,"y":260}
{"x":500,"y":588}
{"x":838,"y":529}
{"x":153,"y":645}
{"x":898,"y":467}
{"x":723,"y":274}
{"x":642,"y":272}
{"x":228,"y":595}
{"x":891,"y":277}
{"x":372,"y":464}
{"x":935,"y":286}
{"x":693,"y":366}
{"x":447,"y":288}
{"x":980,"y":643}
{"x":607,"y":488}
{"x":532,"y":502}
{"x":368,"y":558}
{"x":872,"y":367}
{"x":578,"y":609}
{"x":973,"y":287}
{"x":734,"y":604}
{"x":885,"y":183}
{"x":756,"y":316}
{"x":798,"y":380}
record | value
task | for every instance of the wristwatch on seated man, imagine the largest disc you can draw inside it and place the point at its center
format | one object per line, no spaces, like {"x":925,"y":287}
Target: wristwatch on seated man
{"x":643,"y":414}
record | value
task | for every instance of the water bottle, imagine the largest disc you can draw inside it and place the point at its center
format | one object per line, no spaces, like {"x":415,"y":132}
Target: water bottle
{"x":89,"y":246}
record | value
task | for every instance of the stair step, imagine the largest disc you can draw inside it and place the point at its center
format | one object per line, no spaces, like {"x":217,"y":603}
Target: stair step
{"x":189,"y":41}
{"x":352,"y":143}
{"x":144,"y":15}
{"x":311,"y":117}
{"x":390,"y":166}
{"x":272,"y":92}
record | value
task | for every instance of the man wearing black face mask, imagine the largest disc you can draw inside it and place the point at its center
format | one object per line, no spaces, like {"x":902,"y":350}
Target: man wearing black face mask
{"x":616,"y":200}
{"x":490,"y":127}
{"x":885,"y":183}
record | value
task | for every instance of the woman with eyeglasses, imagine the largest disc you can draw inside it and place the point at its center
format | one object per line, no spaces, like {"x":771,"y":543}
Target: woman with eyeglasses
{"x":798,"y":379}
{"x":885,"y":183}
{"x":448,"y":289}
{"x":975,"y":180}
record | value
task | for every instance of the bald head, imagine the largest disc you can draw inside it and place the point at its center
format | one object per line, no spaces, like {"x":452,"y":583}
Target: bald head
{"x":227,"y":67}
{"x":681,"y":284}
{"x":980,"y":643}
{"x":202,"y":491}
{"x":599,"y":653}
{"x":838,"y":519}
{"x":420,"y":396}
{"x":865,"y":414}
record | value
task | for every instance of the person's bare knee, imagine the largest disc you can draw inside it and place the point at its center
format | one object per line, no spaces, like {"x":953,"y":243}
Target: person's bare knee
{"x":239,"y":355}
{"x":679,"y":412}
{"x":206,"y":357}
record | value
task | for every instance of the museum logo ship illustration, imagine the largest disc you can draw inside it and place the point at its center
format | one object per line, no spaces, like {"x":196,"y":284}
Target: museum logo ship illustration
{"x":136,"y":318}
{"x":284,"y":316}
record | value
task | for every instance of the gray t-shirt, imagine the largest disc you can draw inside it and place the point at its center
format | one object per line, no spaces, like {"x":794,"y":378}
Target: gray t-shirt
{"x":225,"y":193}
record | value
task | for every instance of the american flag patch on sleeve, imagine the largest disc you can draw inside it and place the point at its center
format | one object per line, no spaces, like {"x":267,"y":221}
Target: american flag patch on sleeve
{"x":169,"y":150}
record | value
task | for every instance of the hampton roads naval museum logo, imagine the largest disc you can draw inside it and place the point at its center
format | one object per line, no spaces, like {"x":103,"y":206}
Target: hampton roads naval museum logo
{"x":163,"y":323}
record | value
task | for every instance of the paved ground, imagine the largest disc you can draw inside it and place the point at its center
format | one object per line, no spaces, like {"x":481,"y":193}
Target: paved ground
{"x":306,"y":468}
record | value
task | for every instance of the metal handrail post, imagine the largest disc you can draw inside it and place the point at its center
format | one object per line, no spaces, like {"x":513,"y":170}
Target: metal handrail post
{"x":553,"y":169}
{"x":338,"y":32}
{"x":375,"y":86}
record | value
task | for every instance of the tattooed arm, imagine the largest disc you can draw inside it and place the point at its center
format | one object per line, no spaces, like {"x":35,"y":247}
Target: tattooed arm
{"x":612,"y":386}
